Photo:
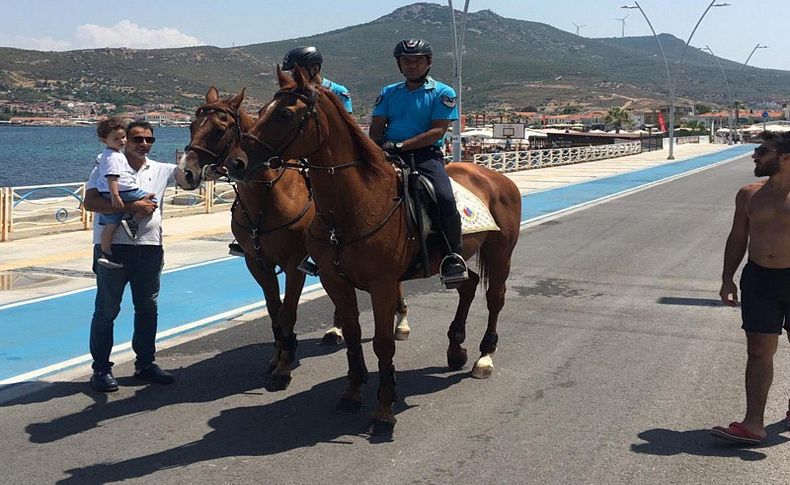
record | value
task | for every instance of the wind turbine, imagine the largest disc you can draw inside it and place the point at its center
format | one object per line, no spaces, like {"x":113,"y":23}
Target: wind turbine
{"x":578,"y":27}
{"x":622,"y":21}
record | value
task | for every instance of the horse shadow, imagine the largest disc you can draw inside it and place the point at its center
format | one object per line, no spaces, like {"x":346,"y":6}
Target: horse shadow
{"x":699,"y":442}
{"x":236,"y":371}
{"x":298,"y":421}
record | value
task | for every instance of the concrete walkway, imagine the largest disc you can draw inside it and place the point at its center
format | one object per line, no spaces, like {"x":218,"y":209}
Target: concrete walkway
{"x":47,"y":265}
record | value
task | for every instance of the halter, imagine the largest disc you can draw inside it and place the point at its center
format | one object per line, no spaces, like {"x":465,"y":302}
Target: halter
{"x":310,"y":101}
{"x":218,"y":157}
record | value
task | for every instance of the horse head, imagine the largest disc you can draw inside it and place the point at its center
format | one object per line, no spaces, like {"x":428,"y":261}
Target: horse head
{"x":216,"y":130}
{"x":282,"y":128}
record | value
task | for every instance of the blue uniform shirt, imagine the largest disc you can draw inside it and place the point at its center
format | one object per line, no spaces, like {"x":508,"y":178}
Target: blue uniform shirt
{"x":340,"y":91}
{"x":410,"y":113}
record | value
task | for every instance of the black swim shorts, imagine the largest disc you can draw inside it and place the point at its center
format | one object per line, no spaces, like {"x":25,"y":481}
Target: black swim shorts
{"x":765,"y":299}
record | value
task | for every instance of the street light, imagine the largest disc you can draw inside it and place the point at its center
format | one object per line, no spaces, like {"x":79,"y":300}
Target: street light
{"x":758,"y":46}
{"x":729,"y":91}
{"x":458,"y":45}
{"x":666,"y":65}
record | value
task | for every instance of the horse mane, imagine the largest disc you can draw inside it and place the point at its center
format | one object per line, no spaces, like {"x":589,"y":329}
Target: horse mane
{"x":370,"y":151}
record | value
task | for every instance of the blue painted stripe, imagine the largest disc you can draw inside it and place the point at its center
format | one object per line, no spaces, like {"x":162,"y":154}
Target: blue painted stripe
{"x":541,"y":204}
{"x":43,"y":333}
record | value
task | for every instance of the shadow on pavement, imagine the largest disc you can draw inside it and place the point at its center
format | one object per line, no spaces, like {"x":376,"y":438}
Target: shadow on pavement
{"x":236,"y":371}
{"x":667,"y":442}
{"x":301,"y":420}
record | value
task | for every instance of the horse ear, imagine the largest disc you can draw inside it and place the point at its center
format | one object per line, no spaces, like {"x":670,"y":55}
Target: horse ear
{"x":237,"y":100}
{"x":301,"y":77}
{"x":282,"y":78}
{"x":212,"y":96}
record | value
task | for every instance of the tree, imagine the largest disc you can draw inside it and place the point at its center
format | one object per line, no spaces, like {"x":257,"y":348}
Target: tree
{"x":701,"y":109}
{"x":618,"y":117}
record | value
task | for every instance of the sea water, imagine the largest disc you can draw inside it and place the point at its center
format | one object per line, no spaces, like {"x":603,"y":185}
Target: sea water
{"x":38,"y":155}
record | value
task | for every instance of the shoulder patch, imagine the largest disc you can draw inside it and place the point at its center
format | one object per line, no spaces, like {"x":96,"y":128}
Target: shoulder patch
{"x":378,"y":100}
{"x":448,"y":101}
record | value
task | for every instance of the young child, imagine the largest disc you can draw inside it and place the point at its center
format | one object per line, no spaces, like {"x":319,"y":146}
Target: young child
{"x":116,"y":182}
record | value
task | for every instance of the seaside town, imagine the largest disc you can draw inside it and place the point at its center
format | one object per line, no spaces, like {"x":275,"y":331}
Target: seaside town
{"x":530,"y":243}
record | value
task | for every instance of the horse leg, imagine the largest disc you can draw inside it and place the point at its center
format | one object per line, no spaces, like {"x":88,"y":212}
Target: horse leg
{"x":456,"y":354}
{"x":402,"y":329}
{"x":334,"y":336}
{"x":267,"y":279}
{"x":286,"y":340}
{"x":344,"y":297}
{"x":384,"y":299}
{"x":498,"y":271}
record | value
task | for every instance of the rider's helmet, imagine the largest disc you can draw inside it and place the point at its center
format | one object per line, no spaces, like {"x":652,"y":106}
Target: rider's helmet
{"x":412,"y":47}
{"x":304,"y":56}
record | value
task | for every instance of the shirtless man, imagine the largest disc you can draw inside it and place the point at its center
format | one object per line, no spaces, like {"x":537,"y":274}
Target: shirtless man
{"x":761,"y":223}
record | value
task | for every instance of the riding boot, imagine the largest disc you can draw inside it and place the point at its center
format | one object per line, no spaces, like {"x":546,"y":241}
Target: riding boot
{"x":453,"y":267}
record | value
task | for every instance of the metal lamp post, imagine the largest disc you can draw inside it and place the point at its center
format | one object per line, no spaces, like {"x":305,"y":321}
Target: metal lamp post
{"x":666,"y":65}
{"x":458,"y":45}
{"x":758,"y":46}
{"x":729,"y":92}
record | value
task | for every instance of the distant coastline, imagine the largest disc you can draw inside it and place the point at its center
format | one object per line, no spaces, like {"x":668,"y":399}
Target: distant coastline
{"x":60,"y":122}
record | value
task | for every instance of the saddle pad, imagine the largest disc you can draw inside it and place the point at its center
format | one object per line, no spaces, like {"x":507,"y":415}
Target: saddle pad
{"x":475,"y":216}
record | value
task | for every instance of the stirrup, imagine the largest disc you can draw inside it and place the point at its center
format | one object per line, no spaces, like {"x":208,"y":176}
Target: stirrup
{"x":235,"y":249}
{"x":453,"y":281}
{"x":308,"y":267}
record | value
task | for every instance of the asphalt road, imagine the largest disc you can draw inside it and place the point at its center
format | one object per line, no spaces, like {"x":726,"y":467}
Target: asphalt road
{"x":614,"y":360}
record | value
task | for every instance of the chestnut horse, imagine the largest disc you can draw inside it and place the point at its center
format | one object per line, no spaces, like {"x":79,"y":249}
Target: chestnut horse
{"x":360,"y":234}
{"x":269,"y":220}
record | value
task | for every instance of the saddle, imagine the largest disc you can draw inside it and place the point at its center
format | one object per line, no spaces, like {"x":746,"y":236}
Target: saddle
{"x":422,"y":210}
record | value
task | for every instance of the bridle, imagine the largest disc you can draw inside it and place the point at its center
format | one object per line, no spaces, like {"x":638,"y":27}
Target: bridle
{"x":217,"y":158}
{"x":310,"y":112}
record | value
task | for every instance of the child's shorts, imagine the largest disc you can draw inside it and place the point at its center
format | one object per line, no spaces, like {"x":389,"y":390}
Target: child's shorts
{"x":127,"y":196}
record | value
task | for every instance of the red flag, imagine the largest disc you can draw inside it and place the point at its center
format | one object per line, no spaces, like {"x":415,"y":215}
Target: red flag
{"x":661,"y":123}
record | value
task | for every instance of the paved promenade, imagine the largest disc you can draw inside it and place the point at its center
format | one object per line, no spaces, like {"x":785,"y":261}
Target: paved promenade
{"x":38,"y":267}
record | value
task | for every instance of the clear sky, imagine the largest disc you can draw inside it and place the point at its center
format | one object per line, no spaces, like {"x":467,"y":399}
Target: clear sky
{"x":730,"y":31}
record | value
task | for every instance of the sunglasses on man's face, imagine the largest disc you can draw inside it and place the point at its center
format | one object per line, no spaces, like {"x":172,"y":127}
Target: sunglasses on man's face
{"x":139,"y":139}
{"x":761,"y":150}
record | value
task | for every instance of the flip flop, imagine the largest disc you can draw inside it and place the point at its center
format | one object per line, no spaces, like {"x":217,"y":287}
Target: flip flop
{"x":737,"y":433}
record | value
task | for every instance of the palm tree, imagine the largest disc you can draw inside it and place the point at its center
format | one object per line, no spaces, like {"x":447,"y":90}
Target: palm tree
{"x":618,"y":117}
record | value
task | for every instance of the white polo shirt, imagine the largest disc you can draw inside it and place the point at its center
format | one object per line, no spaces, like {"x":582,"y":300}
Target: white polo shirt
{"x":153,"y":177}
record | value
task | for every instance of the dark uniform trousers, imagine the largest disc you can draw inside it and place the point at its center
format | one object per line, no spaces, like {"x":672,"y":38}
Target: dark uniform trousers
{"x":430,"y":162}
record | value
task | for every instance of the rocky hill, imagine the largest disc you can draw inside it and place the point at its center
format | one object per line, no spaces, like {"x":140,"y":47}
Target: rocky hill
{"x":509,"y":64}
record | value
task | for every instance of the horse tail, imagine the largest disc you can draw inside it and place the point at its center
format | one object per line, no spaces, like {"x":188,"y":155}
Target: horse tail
{"x":482,"y":265}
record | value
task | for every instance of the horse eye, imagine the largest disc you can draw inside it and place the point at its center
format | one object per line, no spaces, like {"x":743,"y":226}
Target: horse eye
{"x":223,"y":117}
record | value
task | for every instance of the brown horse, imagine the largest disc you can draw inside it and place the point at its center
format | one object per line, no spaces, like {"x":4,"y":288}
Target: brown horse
{"x":360,"y":234}
{"x":270,"y":219}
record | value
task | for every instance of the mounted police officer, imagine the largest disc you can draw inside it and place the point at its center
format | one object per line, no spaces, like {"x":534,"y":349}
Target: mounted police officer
{"x":411,"y":117}
{"x":311,"y":59}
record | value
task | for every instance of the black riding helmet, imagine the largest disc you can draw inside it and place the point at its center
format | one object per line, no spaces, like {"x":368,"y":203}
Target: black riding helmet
{"x":412,"y":47}
{"x":304,"y":56}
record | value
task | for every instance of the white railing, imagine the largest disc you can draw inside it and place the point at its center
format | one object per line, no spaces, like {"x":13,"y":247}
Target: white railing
{"x":35,"y":210}
{"x":529,"y":159}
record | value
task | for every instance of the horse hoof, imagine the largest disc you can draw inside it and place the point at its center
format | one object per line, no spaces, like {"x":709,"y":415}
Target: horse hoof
{"x":483,"y":368}
{"x":348,"y":406}
{"x":332,"y":337}
{"x":457,"y":361}
{"x":279,"y":383}
{"x":379,"y":427}
{"x":402,"y":333}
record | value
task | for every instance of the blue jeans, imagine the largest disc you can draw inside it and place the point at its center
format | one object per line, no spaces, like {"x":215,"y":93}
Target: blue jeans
{"x":142,"y":268}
